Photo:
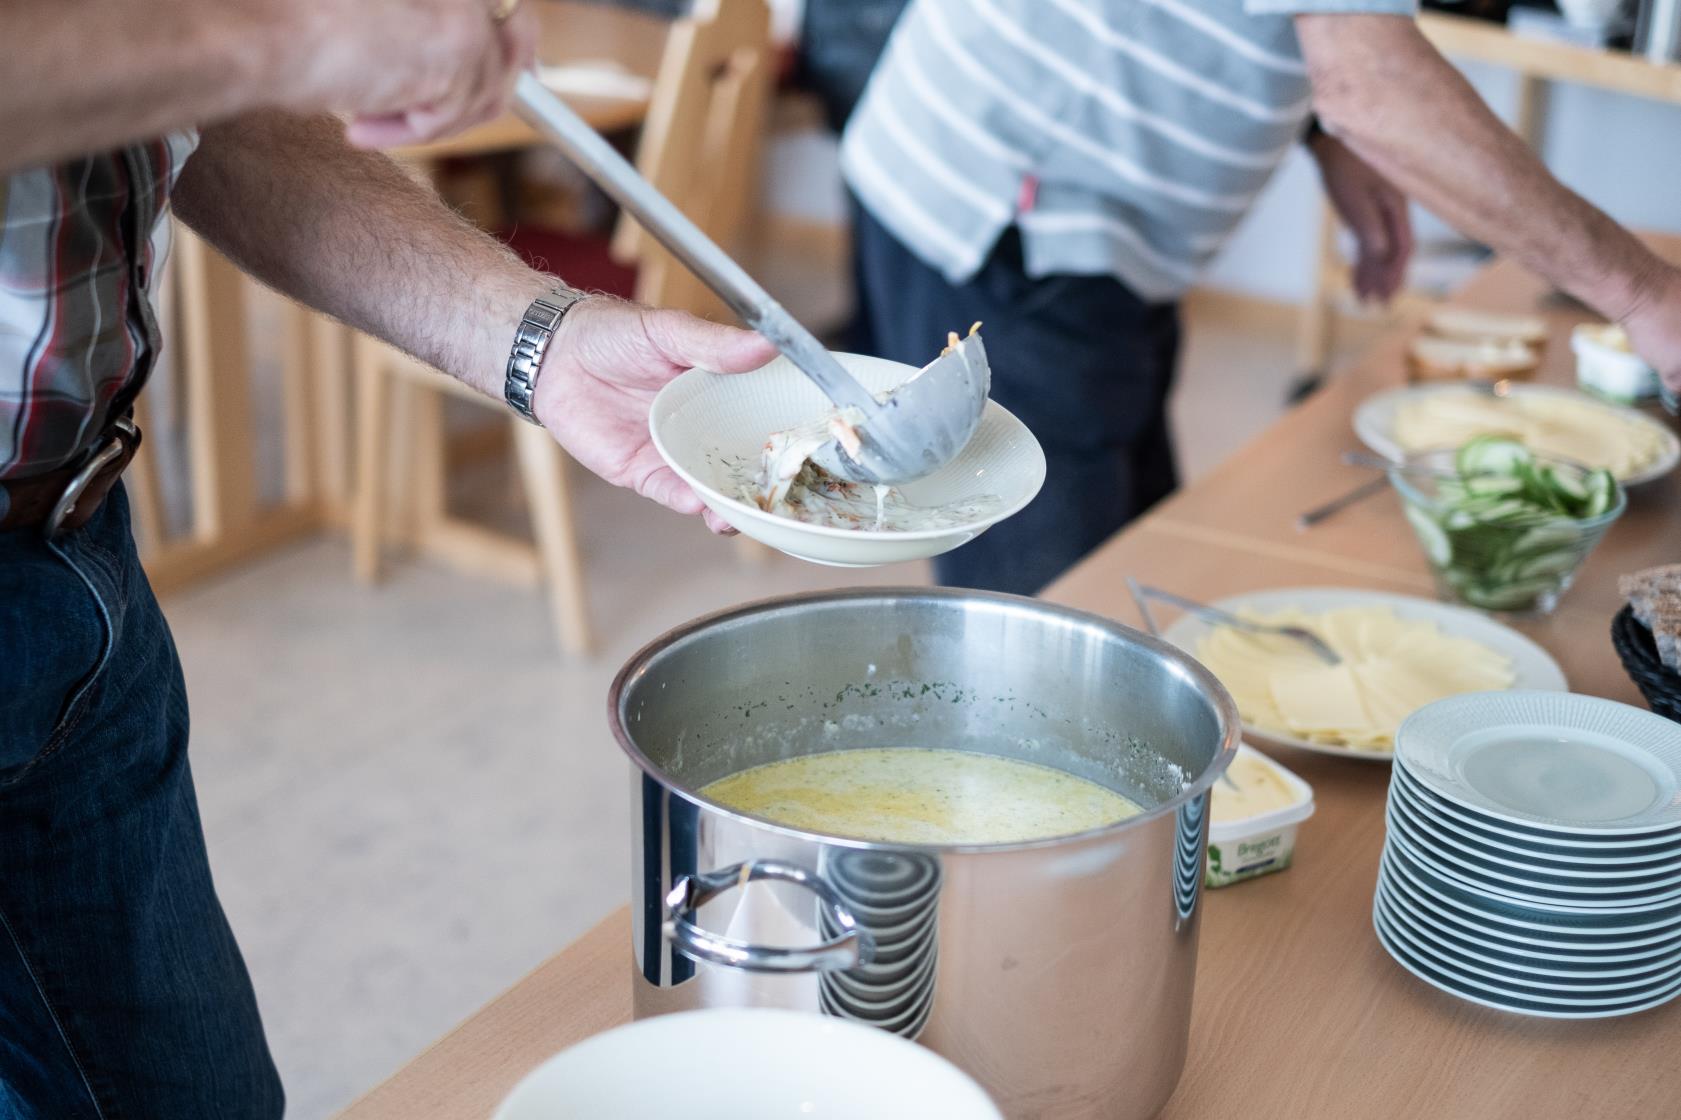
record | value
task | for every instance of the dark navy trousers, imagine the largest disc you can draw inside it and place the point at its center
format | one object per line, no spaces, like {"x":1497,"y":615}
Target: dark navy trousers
{"x":122,"y":993}
{"x":1084,"y":363}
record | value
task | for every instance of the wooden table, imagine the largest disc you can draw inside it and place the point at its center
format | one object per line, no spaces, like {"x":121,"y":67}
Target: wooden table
{"x":1298,"y":1010}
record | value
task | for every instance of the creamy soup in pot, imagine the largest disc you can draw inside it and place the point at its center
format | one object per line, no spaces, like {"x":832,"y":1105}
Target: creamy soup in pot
{"x":912,"y":795}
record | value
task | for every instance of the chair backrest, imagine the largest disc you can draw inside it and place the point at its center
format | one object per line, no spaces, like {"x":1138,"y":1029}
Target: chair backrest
{"x":701,"y":143}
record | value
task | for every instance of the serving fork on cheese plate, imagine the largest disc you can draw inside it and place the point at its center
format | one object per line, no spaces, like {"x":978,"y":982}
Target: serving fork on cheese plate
{"x":1142,"y":593}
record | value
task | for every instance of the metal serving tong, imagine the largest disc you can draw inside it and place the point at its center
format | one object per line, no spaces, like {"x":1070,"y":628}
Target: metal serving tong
{"x":1141,"y":593}
{"x":917,"y":429}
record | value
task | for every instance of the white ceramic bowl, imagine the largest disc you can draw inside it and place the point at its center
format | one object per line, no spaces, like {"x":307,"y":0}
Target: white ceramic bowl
{"x":747,"y":1065}
{"x":703,"y":421}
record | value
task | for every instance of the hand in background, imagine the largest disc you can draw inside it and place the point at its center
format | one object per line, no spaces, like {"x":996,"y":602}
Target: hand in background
{"x":1374,"y":211}
{"x":405,"y":71}
{"x":1654,"y":326}
{"x":599,"y":378}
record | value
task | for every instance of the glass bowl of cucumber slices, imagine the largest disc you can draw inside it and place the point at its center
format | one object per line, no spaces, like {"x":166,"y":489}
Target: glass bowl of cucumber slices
{"x":1504,"y":529}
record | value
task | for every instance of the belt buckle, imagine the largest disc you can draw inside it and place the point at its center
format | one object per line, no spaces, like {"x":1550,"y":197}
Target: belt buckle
{"x":124,"y":435}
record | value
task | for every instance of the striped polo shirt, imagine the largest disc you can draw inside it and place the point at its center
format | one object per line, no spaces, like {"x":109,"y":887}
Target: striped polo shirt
{"x":1123,"y":137}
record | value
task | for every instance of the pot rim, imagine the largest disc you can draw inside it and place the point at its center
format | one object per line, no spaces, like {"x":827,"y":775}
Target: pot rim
{"x":1225,"y":711}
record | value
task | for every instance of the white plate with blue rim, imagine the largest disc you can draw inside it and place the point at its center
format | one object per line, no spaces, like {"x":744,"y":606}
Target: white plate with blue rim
{"x":1572,"y":764}
{"x":1507,"y":1000}
{"x":1490,"y":846}
{"x":1549,"y":953}
{"x":1425,"y":923}
{"x":1527,"y":981}
{"x":1596,"y":928}
{"x":1648,"y":947}
{"x":1629,"y":902}
{"x":1599,"y":856}
{"x":1526,"y":875}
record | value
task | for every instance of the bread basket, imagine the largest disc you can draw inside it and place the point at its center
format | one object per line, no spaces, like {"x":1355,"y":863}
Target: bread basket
{"x":1657,"y":682}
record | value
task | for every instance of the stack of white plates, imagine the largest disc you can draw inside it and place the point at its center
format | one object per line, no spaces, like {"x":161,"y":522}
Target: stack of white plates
{"x":1533,"y":855}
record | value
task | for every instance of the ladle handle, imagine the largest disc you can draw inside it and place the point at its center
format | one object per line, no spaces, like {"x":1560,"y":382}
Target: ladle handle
{"x":849,"y":950}
{"x":581,"y":144}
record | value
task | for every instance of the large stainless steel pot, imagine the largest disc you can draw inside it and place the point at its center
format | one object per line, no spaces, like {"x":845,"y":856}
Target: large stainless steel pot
{"x":1057,"y":973}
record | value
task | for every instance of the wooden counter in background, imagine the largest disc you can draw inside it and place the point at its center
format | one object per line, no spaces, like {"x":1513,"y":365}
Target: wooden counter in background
{"x":1299,"y":1012}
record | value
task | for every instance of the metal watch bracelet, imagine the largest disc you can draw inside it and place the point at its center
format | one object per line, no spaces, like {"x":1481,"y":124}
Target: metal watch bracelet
{"x":537,"y":329}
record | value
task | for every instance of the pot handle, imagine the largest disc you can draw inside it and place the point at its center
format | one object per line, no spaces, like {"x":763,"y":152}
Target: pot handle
{"x":852,"y":948}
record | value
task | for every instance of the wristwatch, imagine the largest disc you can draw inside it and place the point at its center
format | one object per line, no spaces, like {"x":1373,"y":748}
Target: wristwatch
{"x":537,"y":328}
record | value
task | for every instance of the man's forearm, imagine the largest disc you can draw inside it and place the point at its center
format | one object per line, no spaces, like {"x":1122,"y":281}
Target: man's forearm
{"x":94,"y":74}
{"x":350,"y":233}
{"x":1382,"y":89}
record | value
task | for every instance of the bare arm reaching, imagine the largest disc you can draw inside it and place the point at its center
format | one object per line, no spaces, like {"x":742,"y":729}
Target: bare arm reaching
{"x":349,"y":233}
{"x":91,"y":75}
{"x":1382,"y":89}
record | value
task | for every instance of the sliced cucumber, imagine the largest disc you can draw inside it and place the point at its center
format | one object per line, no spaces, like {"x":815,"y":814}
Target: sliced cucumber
{"x":1547,"y":564}
{"x":1550,"y":536}
{"x":1602,"y":493}
{"x":1492,"y":485}
{"x":1566,"y":480}
{"x":1492,"y":455}
{"x":1500,"y":512}
{"x":1505,"y":532}
{"x":1430,"y":535}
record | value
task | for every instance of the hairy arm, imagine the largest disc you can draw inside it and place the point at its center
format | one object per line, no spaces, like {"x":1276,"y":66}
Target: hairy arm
{"x":94,"y":74}
{"x":80,"y":76}
{"x":1383,"y":90}
{"x":350,"y":233}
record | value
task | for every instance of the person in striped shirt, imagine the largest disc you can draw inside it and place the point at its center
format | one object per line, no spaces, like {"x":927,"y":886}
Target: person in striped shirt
{"x":1064,"y":169}
{"x":122,"y":990}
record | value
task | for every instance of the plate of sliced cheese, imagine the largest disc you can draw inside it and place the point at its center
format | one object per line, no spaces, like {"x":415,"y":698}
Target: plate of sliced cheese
{"x":1398,"y":653}
{"x":1556,"y":423}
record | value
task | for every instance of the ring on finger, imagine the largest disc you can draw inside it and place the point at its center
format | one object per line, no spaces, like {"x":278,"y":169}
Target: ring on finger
{"x":503,"y":10}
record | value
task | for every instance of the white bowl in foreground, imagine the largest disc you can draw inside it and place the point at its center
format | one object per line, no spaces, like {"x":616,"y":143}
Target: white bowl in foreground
{"x":707,"y":425}
{"x":747,"y":1065}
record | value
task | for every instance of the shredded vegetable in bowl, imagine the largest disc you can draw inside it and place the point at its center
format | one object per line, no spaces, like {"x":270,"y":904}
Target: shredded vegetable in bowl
{"x":1505,"y":530}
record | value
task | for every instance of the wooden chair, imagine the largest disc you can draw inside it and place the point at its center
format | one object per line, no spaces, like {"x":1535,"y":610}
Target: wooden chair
{"x":700,"y":146}
{"x":203,"y":388}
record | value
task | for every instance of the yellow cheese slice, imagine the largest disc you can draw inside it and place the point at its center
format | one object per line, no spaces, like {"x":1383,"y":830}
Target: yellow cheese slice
{"x":1391,"y":667}
{"x":1320,"y":697}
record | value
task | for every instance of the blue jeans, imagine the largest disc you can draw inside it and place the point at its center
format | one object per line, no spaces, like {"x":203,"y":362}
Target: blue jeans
{"x":122,"y":992}
{"x":1081,"y":360}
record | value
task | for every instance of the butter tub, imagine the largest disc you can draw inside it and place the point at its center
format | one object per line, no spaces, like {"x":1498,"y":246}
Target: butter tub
{"x":1253,"y":830}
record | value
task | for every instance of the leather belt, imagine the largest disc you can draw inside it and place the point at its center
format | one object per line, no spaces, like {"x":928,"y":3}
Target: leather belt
{"x":65,"y":499}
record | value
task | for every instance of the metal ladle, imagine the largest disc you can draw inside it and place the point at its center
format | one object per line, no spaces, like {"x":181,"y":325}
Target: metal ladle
{"x":919,"y":428}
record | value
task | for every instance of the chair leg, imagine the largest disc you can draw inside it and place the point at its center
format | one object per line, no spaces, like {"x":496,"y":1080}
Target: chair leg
{"x":429,"y":499}
{"x":543,"y":471}
{"x":373,"y":394}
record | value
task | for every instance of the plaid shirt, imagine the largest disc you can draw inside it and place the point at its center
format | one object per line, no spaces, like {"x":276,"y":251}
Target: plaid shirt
{"x":80,"y":245}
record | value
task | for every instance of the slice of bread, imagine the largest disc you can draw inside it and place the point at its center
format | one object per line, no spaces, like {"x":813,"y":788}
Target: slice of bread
{"x":1471,"y":325}
{"x":1641,"y":587}
{"x":1655,"y":595}
{"x":1446,"y":359}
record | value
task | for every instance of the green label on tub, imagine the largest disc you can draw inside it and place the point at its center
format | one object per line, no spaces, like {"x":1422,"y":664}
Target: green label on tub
{"x":1232,"y":862}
